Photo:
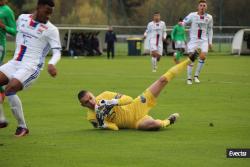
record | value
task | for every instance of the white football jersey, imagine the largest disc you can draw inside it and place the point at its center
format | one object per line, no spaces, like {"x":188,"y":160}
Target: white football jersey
{"x":155,"y":32}
{"x":201,"y":26}
{"x":34,"y":40}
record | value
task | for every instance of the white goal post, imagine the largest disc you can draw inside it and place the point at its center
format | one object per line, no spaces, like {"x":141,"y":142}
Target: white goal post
{"x":241,"y":42}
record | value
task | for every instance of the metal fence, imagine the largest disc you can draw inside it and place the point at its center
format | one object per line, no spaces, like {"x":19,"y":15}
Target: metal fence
{"x":222,"y":39}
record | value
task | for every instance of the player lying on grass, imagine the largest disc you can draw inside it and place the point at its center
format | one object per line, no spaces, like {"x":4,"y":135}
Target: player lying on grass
{"x":115,"y":111}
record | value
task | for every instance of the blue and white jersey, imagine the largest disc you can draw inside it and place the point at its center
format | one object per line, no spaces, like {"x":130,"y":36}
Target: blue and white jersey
{"x":34,"y":41}
{"x":201,"y":26}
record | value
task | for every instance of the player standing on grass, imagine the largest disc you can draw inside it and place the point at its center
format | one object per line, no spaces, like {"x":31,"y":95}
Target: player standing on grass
{"x":35,"y":37}
{"x":201,"y":35}
{"x":115,"y":111}
{"x":178,"y":35}
{"x":7,"y":25}
{"x":156,"y":33}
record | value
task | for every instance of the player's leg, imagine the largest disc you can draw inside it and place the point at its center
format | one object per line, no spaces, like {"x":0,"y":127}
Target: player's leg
{"x":155,"y":124}
{"x":159,"y":52}
{"x":153,"y":63}
{"x":192,"y":46}
{"x":158,"y":85}
{"x":22,"y":78}
{"x":155,"y":56}
{"x":16,"y":106}
{"x":108,"y":50}
{"x":177,"y":52}
{"x":178,"y":55}
{"x":2,"y":53}
{"x":3,"y":81}
{"x":201,"y":62}
{"x":150,"y":124}
{"x":113,"y":51}
{"x":182,"y":50}
{"x":3,"y":121}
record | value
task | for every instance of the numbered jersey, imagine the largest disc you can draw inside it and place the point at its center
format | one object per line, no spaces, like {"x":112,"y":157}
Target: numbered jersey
{"x":201,"y":26}
{"x":34,"y":40}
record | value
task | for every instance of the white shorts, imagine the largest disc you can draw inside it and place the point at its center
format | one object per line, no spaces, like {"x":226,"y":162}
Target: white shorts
{"x":24,"y":73}
{"x":180,"y":44}
{"x":156,"y":47}
{"x":197,"y":44}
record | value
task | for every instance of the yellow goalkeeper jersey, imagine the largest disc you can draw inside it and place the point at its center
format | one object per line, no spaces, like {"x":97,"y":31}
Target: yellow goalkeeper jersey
{"x":128,"y":112}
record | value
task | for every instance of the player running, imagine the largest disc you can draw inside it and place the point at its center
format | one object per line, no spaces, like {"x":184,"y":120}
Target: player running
{"x":115,"y":111}
{"x":155,"y":34}
{"x":201,"y":35}
{"x":7,"y":25}
{"x":178,"y":35}
{"x":35,"y":37}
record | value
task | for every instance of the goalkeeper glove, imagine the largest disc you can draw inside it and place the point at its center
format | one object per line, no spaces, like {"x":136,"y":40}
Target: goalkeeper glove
{"x":100,"y":119}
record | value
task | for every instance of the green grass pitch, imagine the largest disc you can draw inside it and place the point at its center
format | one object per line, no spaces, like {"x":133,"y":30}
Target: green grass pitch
{"x":61,"y":136}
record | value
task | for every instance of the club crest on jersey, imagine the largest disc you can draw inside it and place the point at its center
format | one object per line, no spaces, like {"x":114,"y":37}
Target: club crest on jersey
{"x":43,"y":26}
{"x":40,"y":31}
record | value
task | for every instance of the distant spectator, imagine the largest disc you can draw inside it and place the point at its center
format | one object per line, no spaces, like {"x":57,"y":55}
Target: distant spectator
{"x":83,"y":44}
{"x":110,"y":39}
{"x":95,"y":45}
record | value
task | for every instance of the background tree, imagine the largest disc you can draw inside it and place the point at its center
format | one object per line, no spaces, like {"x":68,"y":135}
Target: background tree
{"x":137,"y":12}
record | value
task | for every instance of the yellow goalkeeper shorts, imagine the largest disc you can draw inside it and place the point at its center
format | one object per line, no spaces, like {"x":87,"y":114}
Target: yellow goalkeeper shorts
{"x":141,"y":106}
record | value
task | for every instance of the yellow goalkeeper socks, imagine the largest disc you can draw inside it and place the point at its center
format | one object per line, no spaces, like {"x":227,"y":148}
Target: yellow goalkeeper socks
{"x":172,"y":72}
{"x":164,"y":123}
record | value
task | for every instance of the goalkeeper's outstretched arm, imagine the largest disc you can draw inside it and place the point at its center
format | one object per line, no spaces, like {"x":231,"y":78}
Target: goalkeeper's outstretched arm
{"x":117,"y":100}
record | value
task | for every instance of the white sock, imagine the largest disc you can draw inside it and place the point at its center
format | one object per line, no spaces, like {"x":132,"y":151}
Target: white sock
{"x":17,"y":110}
{"x":154,"y":61}
{"x":2,"y":117}
{"x":190,"y":70}
{"x":199,"y":67}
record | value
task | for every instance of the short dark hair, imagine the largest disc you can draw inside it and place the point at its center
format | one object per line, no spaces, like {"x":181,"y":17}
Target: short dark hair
{"x":202,"y":1}
{"x":180,"y":19}
{"x":51,"y":3}
{"x":156,"y":12}
{"x":81,"y":94}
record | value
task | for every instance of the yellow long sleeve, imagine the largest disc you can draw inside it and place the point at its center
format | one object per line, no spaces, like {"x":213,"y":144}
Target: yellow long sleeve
{"x":110,"y":126}
{"x":124,"y":100}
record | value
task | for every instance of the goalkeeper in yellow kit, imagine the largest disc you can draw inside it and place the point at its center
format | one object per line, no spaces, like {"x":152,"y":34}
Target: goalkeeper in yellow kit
{"x":115,"y":111}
